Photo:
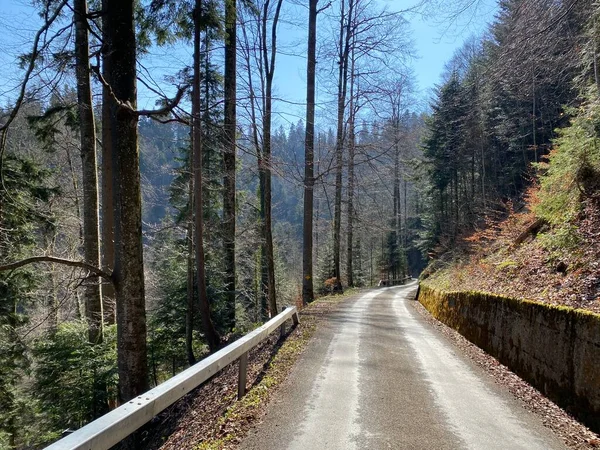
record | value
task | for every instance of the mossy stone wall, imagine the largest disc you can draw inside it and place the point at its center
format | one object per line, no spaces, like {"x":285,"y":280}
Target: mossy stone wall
{"x":556,"y":349}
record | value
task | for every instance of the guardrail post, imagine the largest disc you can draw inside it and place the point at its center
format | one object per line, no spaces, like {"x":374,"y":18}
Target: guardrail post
{"x":282,"y":331}
{"x":243,"y":372}
{"x":295,"y":318}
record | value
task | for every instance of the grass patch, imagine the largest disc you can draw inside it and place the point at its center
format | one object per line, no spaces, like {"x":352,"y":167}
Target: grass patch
{"x":507,"y":265}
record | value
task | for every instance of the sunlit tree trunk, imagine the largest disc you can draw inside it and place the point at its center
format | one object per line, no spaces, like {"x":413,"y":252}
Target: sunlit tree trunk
{"x":344,"y":52}
{"x":269,"y":65}
{"x":309,"y":151}
{"x":351,"y":153}
{"x":260,"y":278}
{"x":129,"y":265}
{"x":87,"y":132}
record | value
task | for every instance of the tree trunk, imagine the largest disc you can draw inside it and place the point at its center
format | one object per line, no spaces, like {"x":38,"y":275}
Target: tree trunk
{"x":350,"y":234}
{"x":397,"y":222}
{"x":596,"y":76}
{"x":456,"y":201}
{"x":351,"y":151}
{"x":211,"y":334}
{"x":260,"y":278}
{"x":129,"y":264}
{"x":75,"y":185}
{"x":405,"y":218}
{"x":309,"y":152}
{"x":52,"y":303}
{"x":264,"y":266}
{"x":269,"y":63}
{"x":108,"y":217}
{"x":344,"y":46}
{"x":229,"y":157}
{"x":87,"y":133}
{"x":189,"y":317}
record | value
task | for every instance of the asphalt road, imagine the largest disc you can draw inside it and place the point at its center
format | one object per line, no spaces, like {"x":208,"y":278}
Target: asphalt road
{"x":377,"y":376}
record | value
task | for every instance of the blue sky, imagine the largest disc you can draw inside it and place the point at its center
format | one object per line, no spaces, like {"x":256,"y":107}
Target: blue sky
{"x":435,"y":41}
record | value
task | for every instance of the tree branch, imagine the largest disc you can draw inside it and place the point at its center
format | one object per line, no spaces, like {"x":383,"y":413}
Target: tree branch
{"x":169,"y":105}
{"x":26,"y":78}
{"x":51,"y":259}
{"x":31,"y":65}
{"x":320,"y":10}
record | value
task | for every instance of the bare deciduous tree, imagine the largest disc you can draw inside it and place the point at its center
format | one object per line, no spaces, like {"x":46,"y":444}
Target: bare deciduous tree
{"x":87,"y":132}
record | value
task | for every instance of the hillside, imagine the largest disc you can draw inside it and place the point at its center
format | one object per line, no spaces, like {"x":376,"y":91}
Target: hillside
{"x":548,"y":249}
{"x":493,"y":263}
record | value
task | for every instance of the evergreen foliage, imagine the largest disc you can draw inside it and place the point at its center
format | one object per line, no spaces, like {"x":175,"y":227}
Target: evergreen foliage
{"x":573,"y":167}
{"x":497,"y":112}
{"x":166,"y":318}
{"x":75,"y":381}
{"x":24,"y":200}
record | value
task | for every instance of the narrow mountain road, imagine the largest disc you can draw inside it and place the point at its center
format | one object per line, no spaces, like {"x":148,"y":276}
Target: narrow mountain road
{"x":378,"y":376}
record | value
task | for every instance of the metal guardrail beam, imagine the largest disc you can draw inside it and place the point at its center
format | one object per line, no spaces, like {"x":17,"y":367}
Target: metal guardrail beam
{"x":116,"y":425}
{"x":393,"y":282}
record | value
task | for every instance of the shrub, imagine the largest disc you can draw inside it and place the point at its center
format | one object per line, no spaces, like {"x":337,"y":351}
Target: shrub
{"x":573,"y":168}
{"x":74,"y":381}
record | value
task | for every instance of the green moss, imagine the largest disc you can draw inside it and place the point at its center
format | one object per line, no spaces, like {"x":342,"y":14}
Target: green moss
{"x":435,"y":301}
{"x":216,"y":444}
{"x":556,"y":355}
{"x":509,"y":264}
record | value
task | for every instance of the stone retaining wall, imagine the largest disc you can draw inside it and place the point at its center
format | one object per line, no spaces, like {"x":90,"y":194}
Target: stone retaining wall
{"x":556,"y":349}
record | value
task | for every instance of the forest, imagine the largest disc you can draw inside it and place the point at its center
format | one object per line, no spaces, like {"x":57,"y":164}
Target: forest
{"x":134,"y":241}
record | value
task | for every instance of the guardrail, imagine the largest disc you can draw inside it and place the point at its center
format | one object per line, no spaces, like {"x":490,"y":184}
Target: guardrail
{"x":116,"y":425}
{"x":394,"y":282}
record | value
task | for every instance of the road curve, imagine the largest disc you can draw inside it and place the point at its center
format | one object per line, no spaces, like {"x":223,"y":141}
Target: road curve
{"x":378,"y":376}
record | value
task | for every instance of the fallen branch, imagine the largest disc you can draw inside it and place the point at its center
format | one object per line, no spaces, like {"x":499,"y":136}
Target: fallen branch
{"x":65,"y":262}
{"x":532,"y":229}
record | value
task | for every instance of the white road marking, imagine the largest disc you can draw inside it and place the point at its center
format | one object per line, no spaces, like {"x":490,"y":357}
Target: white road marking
{"x":477,"y":416}
{"x":331,"y":419}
